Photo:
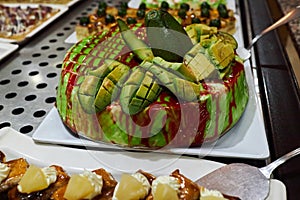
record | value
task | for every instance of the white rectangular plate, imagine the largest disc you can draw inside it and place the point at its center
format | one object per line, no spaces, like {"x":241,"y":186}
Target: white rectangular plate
{"x":247,"y":139}
{"x":62,"y":10}
{"x":6,"y":49}
{"x":16,"y":145}
{"x":239,"y":142}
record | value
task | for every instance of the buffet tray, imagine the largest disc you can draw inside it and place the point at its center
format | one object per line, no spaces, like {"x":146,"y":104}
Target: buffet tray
{"x":59,"y":2}
{"x":62,"y":10}
{"x":135,"y":4}
{"x":16,"y":145}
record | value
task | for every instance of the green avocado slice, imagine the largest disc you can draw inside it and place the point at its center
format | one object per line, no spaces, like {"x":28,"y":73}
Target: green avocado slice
{"x":100,"y":83}
{"x":140,"y":49}
{"x":109,"y":88}
{"x":139,"y":91}
{"x":179,"y":69}
{"x":181,"y":88}
{"x":90,"y":86}
{"x":199,"y":63}
{"x":221,"y":53}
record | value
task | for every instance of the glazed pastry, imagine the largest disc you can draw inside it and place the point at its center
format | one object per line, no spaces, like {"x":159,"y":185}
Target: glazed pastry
{"x":32,"y":182}
{"x":61,"y":179}
{"x":11,"y":173}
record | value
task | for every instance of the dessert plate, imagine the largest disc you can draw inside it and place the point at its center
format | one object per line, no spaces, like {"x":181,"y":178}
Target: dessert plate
{"x":237,"y":142}
{"x":16,"y":145}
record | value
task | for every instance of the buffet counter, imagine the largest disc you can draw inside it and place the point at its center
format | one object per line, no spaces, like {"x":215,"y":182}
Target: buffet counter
{"x":279,"y":89}
{"x":29,"y":78}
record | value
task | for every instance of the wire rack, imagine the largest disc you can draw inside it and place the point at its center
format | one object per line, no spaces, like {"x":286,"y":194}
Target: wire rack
{"x":29,"y":76}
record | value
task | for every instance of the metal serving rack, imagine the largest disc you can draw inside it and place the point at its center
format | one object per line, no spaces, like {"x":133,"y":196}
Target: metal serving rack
{"x":29,"y":76}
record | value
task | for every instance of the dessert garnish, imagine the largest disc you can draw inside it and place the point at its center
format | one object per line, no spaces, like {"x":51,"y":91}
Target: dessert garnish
{"x":206,"y":194}
{"x":165,"y":187}
{"x":84,"y":186}
{"x":132,"y":187}
{"x":36,"y":179}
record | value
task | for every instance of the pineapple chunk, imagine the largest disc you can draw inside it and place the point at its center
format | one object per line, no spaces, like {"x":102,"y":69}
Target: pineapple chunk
{"x":33,"y":180}
{"x":164,"y":191}
{"x":79,"y":187}
{"x":130,"y":188}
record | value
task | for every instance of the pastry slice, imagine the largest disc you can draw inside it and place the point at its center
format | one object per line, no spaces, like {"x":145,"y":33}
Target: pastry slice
{"x":27,"y":185}
{"x":10,"y":173}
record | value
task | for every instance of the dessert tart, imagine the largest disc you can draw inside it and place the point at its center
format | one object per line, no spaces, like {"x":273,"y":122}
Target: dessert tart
{"x":133,"y":86}
{"x":104,"y":17}
{"x":63,"y":2}
{"x":33,"y":182}
{"x":16,"y":22}
{"x":177,"y":3}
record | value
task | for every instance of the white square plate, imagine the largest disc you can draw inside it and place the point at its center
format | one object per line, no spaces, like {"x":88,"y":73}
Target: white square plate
{"x":247,"y":139}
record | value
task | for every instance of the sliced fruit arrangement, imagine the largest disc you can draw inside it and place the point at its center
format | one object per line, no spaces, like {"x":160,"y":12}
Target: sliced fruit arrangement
{"x":188,"y":12}
{"x":141,"y":87}
{"x":121,"y":87}
{"x":139,"y":91}
{"x":98,"y":184}
{"x":102,"y":85}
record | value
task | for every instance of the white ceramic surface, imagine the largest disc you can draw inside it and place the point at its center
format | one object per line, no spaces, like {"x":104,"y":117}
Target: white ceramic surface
{"x":6,"y":49}
{"x":16,"y":145}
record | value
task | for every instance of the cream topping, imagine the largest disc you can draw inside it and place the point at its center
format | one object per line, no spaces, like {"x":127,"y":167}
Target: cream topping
{"x":50,"y":174}
{"x":4,"y":171}
{"x":142,"y":179}
{"x":169,"y":180}
{"x":204,"y":192}
{"x":96,"y":181}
